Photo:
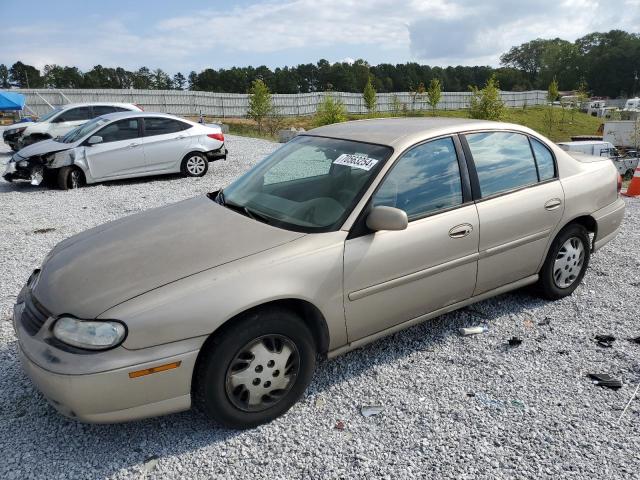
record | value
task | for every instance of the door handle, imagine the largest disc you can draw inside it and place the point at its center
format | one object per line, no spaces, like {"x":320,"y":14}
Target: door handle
{"x":133,"y":145}
{"x":181,"y":137}
{"x":552,"y":204}
{"x":460,"y":231}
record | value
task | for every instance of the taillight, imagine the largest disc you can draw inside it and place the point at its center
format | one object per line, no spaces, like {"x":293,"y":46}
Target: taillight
{"x":619,"y":183}
{"x":216,"y":136}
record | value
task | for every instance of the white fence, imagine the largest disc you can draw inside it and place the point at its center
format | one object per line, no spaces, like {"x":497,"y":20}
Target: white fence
{"x":221,"y":105}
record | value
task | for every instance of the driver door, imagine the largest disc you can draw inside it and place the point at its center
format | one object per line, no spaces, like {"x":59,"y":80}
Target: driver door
{"x":120,"y":153}
{"x":391,"y":277}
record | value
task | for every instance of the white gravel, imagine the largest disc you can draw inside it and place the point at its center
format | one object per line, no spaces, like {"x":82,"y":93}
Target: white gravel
{"x":454,"y":407}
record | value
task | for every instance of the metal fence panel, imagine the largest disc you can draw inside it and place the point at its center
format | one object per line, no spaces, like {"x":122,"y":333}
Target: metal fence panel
{"x":221,"y":105}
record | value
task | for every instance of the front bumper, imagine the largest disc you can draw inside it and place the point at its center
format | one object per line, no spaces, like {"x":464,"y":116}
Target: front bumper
{"x":95,"y":387}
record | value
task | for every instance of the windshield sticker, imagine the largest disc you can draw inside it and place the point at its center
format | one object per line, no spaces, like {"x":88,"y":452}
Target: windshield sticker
{"x":356,"y":160}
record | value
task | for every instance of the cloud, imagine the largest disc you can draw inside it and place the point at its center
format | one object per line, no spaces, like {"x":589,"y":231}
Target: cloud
{"x":486,"y":29}
{"x":298,"y":31}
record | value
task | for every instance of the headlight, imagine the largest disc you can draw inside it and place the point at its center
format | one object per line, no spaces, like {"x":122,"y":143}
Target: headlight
{"x":92,"y":335}
{"x":23,"y":163}
{"x":16,"y":130}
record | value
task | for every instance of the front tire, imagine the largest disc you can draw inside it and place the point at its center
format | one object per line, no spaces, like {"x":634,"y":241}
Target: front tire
{"x":195,"y":165}
{"x":255,"y":369}
{"x":70,"y":178}
{"x":566,"y":263}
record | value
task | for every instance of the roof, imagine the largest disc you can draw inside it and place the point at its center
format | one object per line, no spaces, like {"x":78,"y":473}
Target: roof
{"x":397,"y":132}
{"x":137,"y":113}
{"x":93,"y":104}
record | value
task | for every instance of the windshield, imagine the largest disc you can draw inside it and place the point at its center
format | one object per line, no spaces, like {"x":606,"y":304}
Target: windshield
{"x":77,"y":133}
{"x":47,"y":116}
{"x":310,"y":184}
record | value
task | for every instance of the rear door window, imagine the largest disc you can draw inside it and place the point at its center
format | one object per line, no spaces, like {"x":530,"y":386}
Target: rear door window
{"x":544,"y":160}
{"x":503,"y":160}
{"x":102,"y":110}
{"x":162,"y":126}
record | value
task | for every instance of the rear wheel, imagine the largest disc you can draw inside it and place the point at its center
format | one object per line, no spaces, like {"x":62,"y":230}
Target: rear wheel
{"x":195,"y":165}
{"x":566,"y":262}
{"x":256,"y":369}
{"x":70,"y":178}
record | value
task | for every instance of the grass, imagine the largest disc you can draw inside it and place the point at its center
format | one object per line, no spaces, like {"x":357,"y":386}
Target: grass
{"x":532,"y":117}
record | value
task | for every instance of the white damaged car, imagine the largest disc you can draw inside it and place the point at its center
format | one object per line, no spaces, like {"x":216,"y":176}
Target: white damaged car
{"x":118,"y":146}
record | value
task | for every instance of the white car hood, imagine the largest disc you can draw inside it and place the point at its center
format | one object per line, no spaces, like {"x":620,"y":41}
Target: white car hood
{"x":44,"y":147}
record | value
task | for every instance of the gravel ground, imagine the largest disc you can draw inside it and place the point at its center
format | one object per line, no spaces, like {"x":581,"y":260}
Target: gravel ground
{"x":453,"y":407}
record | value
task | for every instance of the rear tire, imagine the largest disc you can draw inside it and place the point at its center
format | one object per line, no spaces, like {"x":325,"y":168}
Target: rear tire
{"x":276,"y":353}
{"x":195,"y":165}
{"x":70,"y":178}
{"x":566,"y":263}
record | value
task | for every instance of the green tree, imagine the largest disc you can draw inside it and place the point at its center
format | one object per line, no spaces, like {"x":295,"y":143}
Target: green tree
{"x":486,"y":103}
{"x":161,"y":80}
{"x":260,"y":104}
{"x":396,"y":105}
{"x":330,"y":111}
{"x":25,"y":76}
{"x":179,"y":81}
{"x":4,"y":76}
{"x":369,"y":96}
{"x":434,"y":93}
{"x":417,"y":95}
{"x":549,"y":114}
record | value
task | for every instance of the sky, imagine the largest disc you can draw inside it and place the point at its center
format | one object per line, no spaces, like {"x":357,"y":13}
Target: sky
{"x":190,"y":35}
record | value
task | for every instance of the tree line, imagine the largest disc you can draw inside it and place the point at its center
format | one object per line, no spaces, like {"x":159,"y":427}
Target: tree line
{"x":608,"y":64}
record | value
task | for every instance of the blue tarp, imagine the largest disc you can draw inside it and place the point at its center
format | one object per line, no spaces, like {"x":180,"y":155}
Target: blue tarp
{"x":11,"y":101}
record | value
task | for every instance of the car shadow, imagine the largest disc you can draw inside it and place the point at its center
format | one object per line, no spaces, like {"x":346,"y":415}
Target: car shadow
{"x":25,"y":413}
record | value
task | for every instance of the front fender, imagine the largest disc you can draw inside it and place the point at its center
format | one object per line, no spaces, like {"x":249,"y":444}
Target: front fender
{"x":308,"y":269}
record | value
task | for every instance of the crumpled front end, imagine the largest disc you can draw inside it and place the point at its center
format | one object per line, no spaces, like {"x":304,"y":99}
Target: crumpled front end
{"x":36,"y":168}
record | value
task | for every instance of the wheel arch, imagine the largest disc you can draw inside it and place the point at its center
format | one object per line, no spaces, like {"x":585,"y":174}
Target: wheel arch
{"x":307,"y":311}
{"x":588,"y":222}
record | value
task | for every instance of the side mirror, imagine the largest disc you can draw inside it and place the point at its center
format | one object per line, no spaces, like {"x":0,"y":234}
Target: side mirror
{"x":94,"y":139}
{"x":387,"y":218}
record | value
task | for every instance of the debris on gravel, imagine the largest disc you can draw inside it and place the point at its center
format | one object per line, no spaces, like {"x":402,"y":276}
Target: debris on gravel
{"x":455,"y":407}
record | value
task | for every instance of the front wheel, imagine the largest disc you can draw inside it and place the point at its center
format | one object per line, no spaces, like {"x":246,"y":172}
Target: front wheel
{"x":256,"y":369}
{"x":70,"y":178}
{"x":566,"y":263}
{"x":195,"y":165}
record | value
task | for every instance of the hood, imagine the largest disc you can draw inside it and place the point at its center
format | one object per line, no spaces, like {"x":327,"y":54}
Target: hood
{"x":93,"y":271}
{"x":43,"y":148}
{"x":15,"y":126}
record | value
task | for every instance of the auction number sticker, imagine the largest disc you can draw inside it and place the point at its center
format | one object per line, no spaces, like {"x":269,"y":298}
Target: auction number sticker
{"x":356,"y":161}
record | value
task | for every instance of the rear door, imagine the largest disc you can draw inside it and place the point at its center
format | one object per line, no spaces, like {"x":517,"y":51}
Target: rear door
{"x":68,"y":120}
{"x":391,"y":277}
{"x":166,"y":141}
{"x":520,"y":201}
{"x":120,"y":152}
